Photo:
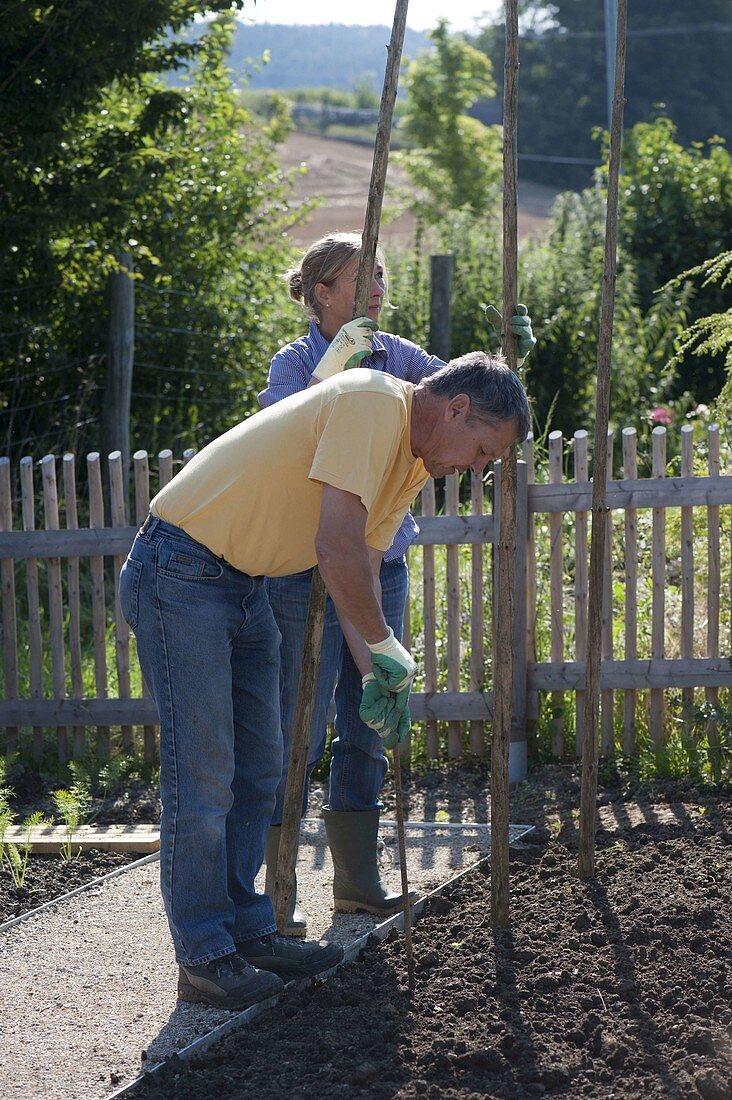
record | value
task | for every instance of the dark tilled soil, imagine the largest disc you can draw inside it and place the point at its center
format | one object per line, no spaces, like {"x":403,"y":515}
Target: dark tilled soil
{"x":614,"y":988}
{"x":47,"y":877}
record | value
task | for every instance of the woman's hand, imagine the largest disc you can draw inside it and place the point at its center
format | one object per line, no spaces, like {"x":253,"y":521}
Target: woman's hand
{"x":350,"y":345}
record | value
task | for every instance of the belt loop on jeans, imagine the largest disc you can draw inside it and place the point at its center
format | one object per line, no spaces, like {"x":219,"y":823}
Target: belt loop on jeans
{"x":147,"y":523}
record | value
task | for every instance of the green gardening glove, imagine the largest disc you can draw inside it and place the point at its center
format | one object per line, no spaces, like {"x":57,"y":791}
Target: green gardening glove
{"x":378,"y":711}
{"x":349,"y":346}
{"x":520,"y":326}
{"x":394,"y":669}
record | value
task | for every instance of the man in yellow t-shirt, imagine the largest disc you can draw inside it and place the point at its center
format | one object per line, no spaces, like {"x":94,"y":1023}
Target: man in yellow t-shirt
{"x":323,"y":478}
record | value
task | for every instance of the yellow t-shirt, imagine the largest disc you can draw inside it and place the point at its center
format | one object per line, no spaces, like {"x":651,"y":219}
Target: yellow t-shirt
{"x":253,"y":495}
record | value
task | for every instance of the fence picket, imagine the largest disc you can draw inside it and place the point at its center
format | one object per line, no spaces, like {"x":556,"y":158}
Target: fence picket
{"x":430,"y":624}
{"x":10,"y":620}
{"x":78,"y":733}
{"x":122,"y":631}
{"x":165,"y":467}
{"x":35,"y":641}
{"x":658,"y":567}
{"x":142,"y":507}
{"x":452,"y":508}
{"x":532,"y":697}
{"x":55,"y":596}
{"x":98,"y":598}
{"x":714,"y":586}
{"x":630,"y":697}
{"x":607,"y":697}
{"x":581,"y":580}
{"x":477,"y":618}
{"x":556,"y":586}
{"x":687,"y":578}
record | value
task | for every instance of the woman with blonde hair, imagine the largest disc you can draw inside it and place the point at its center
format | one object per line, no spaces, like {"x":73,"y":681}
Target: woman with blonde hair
{"x":324,"y":282}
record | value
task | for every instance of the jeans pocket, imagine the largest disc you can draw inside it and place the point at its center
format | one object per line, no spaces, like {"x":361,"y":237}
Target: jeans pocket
{"x":129,"y":591}
{"x":187,"y":561}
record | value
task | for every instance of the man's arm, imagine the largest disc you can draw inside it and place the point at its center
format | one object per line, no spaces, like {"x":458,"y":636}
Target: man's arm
{"x":359,"y":650}
{"x":345,"y":565}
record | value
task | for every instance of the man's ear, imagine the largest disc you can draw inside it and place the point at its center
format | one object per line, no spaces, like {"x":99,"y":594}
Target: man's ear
{"x":457,"y":406}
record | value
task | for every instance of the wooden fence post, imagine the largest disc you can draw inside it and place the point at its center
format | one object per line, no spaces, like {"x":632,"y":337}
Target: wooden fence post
{"x":120,"y":363}
{"x":630,"y":470}
{"x":35,"y":641}
{"x":441,"y":271}
{"x":517,"y":754}
{"x":10,"y":625}
{"x":714,"y":585}
{"x":78,"y":743}
{"x":99,"y":602}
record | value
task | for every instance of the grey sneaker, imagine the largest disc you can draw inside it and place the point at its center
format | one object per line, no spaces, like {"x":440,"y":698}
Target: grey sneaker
{"x":289,"y":958}
{"x":229,"y":982}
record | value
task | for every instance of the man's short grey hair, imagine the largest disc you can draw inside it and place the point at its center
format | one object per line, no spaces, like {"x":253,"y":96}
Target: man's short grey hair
{"x":495,"y":392}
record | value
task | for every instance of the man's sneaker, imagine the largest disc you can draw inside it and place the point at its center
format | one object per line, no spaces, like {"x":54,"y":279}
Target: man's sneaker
{"x":288,"y":957}
{"x":229,"y":982}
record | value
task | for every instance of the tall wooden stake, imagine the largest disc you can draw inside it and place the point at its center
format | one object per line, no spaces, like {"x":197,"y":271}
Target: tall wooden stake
{"x":290,"y":832}
{"x":588,"y":808}
{"x":503,"y":660}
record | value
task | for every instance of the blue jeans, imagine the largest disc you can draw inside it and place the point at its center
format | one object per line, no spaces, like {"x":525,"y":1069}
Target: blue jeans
{"x":208,"y":647}
{"x":358,"y":762}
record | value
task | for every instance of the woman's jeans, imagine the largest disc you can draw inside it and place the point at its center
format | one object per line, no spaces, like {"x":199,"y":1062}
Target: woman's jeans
{"x":358,"y":762}
{"x":208,"y":647}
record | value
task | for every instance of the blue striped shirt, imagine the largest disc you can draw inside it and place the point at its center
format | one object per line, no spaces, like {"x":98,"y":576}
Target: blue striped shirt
{"x":293,"y":365}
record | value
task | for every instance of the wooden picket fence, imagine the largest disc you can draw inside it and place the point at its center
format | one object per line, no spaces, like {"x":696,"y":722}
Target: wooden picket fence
{"x":59,"y":600}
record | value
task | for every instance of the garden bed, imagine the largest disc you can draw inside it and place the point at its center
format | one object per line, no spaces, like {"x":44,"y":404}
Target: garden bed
{"x":617,"y":987}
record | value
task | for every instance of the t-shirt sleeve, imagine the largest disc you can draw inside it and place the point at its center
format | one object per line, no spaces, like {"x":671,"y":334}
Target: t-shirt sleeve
{"x":359,"y":440}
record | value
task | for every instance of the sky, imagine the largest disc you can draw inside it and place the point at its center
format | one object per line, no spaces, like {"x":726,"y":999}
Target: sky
{"x":422,"y":15}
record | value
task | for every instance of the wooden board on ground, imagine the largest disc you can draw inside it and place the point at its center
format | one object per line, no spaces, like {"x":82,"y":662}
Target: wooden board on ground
{"x":50,"y":839}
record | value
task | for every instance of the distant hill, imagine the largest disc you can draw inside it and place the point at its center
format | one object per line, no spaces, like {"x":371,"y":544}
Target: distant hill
{"x":330,"y":56}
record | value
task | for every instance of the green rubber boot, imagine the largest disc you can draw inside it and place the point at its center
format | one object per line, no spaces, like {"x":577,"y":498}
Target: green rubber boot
{"x":357,"y":885}
{"x":297,"y":925}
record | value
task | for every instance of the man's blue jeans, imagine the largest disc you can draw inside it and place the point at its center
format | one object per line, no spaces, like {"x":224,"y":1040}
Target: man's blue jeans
{"x":358,"y":761}
{"x":208,"y":647}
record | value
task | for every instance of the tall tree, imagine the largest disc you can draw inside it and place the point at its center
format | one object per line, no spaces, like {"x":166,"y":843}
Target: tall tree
{"x":679,"y":62}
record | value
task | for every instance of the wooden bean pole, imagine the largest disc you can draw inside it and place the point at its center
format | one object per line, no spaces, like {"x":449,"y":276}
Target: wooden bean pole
{"x":290,"y":831}
{"x":588,"y":801}
{"x":506,"y":580}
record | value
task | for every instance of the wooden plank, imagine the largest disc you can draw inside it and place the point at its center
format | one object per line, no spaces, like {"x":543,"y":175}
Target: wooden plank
{"x":35,"y":642}
{"x":406,"y":749}
{"x":51,"y":839}
{"x":83,"y":543}
{"x":532,"y":697}
{"x":142,"y":508}
{"x":452,"y":507}
{"x":55,"y":597}
{"x":687,"y":579}
{"x":121,"y":629}
{"x":78,"y":742}
{"x":606,"y":620}
{"x":432,"y":707}
{"x":556,"y":589}
{"x":656,"y":673}
{"x":714,"y":587}
{"x":476,"y":736}
{"x":675,"y":492}
{"x":430,"y":621}
{"x":630,"y":652}
{"x":114,"y":541}
{"x":581,"y":585}
{"x":658,"y":597}
{"x":98,"y":597}
{"x":10,"y":620}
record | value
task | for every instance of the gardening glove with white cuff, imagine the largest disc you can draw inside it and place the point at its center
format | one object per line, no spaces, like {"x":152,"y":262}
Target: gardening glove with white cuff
{"x":520,"y":325}
{"x":349,"y":346}
{"x":394,"y":669}
{"x":378,"y":711}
